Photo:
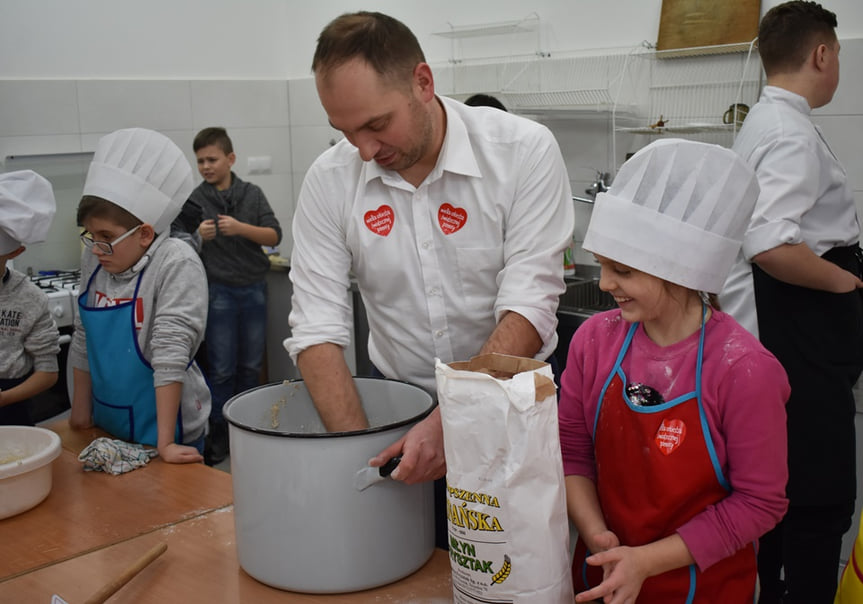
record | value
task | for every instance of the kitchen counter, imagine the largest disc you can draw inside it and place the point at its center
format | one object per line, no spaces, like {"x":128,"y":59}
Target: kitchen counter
{"x":93,"y":525}
{"x":90,"y":510}
{"x":200,"y":565}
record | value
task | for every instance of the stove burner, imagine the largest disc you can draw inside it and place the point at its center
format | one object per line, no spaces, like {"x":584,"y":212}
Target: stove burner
{"x":55,"y":280}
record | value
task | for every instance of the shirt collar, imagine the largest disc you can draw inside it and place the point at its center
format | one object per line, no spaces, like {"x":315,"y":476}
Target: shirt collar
{"x":456,"y":154}
{"x":775,"y":94}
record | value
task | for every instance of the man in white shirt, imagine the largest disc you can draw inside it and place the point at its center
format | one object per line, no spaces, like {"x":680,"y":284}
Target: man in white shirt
{"x":452,"y":219}
{"x":803,"y":281}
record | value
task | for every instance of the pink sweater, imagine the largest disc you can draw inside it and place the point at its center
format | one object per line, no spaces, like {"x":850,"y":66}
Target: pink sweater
{"x":744,"y":390}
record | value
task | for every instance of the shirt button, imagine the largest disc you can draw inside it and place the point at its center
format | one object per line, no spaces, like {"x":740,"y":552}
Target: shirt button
{"x":433,"y":291}
{"x":426,"y":244}
{"x":439,"y":333}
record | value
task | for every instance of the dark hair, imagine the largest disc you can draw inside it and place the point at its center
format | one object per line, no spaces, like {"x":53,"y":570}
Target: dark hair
{"x":96,"y":207}
{"x":386,"y":44}
{"x":213,"y":136}
{"x":484,"y":100}
{"x":788,"y":32}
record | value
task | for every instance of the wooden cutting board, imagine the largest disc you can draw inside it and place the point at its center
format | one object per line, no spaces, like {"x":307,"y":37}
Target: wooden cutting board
{"x":690,"y":23}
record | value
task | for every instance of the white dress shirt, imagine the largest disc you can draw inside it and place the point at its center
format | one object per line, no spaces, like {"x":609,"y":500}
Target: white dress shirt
{"x":805,"y":197}
{"x":439,"y":264}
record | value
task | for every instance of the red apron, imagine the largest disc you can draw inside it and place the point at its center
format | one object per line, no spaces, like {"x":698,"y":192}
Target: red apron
{"x":654,"y":480}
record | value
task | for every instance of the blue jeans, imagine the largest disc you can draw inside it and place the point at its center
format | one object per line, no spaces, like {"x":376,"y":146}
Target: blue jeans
{"x":236,"y":338}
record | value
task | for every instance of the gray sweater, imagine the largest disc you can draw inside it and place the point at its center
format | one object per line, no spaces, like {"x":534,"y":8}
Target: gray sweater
{"x":232,"y":260}
{"x":28,"y":334}
{"x":174,"y":296}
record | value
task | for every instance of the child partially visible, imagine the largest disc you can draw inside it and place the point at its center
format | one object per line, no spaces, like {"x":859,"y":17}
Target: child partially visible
{"x":29,"y":340}
{"x":143,"y":301}
{"x":672,"y":416}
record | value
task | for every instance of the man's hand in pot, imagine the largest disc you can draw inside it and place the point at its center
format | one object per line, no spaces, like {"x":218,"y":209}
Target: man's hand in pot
{"x":421,"y":450}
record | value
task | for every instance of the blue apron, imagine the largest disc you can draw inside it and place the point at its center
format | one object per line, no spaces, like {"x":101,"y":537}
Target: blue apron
{"x":124,"y":398}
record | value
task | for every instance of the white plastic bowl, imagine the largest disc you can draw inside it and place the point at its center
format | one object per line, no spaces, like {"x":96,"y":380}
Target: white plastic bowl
{"x":26,"y":454}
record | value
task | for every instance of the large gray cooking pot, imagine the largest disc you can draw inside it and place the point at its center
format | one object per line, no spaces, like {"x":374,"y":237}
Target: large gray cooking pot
{"x":301,"y":523}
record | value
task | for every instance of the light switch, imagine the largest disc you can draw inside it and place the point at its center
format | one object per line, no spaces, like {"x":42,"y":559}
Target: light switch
{"x":262,"y":164}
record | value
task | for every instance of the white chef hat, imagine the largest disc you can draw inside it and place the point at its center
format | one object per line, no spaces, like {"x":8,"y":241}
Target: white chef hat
{"x":27,"y":208}
{"x":143,"y":172}
{"x":677,"y":210}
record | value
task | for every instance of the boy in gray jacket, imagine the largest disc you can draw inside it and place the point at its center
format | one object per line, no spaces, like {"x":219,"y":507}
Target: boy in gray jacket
{"x":143,"y":301}
{"x":233,"y":220}
{"x":28,"y":334}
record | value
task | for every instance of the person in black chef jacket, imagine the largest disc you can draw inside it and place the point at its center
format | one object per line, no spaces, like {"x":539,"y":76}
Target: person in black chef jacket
{"x":802,"y":263}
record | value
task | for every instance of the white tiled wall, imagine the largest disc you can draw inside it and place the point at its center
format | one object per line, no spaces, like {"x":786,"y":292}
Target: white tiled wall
{"x":40,"y":117}
{"x":284,"y":121}
{"x":585,"y":143}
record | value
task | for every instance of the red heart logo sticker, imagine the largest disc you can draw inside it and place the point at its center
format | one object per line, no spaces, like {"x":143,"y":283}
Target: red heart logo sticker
{"x":451,"y":218}
{"x":670,"y":435}
{"x":380,"y":221}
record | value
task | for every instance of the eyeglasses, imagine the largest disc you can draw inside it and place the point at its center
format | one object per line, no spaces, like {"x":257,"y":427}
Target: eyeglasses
{"x":104,"y":246}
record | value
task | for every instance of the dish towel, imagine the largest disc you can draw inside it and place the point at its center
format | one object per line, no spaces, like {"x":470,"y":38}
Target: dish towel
{"x":115,"y":456}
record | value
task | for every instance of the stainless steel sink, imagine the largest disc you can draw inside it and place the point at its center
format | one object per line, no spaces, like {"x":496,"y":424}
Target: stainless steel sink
{"x":583,"y":296}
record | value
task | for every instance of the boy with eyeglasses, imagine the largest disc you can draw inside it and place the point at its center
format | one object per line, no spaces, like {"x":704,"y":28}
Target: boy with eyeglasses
{"x":143,"y":302}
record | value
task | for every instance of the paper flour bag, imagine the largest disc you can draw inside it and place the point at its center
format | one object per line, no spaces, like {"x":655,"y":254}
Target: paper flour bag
{"x":506,"y":501}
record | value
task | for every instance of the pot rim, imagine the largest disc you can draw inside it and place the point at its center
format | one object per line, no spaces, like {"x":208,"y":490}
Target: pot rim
{"x":376,"y":429}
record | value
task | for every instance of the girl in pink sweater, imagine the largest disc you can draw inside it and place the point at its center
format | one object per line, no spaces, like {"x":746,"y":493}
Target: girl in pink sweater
{"x":672,"y":417}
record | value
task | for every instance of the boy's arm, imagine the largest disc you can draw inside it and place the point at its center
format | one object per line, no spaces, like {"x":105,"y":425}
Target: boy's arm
{"x":39,"y":381}
{"x":81,"y":416}
{"x":167,"y":408}
{"x":229,"y":225}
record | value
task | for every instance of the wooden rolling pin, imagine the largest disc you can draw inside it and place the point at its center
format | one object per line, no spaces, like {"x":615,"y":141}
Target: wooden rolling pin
{"x":111,"y":588}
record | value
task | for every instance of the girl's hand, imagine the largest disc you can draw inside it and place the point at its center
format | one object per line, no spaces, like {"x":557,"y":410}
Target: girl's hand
{"x":174,"y":453}
{"x":625,"y":569}
{"x":602,"y":542}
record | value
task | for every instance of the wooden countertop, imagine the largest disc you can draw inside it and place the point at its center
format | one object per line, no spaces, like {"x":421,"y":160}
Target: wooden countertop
{"x":88,"y":510}
{"x":93,"y":525}
{"x":201,"y":565}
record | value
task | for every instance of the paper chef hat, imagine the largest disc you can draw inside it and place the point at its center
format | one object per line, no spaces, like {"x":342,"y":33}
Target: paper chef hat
{"x":144,"y":173}
{"x":677,"y":210}
{"x":26,"y":209}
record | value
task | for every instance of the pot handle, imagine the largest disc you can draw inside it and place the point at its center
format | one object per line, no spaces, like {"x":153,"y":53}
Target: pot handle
{"x":388,"y":468}
{"x":368,"y":475}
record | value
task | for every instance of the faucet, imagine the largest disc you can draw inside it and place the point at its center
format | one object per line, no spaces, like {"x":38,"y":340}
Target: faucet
{"x":600,"y":185}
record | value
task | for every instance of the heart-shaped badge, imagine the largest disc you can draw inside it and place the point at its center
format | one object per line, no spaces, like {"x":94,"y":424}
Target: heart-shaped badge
{"x":451,"y":218}
{"x":380,"y":221}
{"x":670,"y":435}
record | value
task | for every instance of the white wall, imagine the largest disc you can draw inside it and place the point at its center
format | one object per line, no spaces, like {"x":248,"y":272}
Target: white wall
{"x":264,"y":39}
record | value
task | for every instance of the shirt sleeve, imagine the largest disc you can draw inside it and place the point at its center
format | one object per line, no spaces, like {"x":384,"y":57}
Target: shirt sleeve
{"x":788,"y":174}
{"x":539,"y":228}
{"x":321,"y":310}
{"x":78,"y":347}
{"x":592,"y":352}
{"x":266,"y":217}
{"x":754,"y":392}
{"x":179,"y":317}
{"x":42,"y":342}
